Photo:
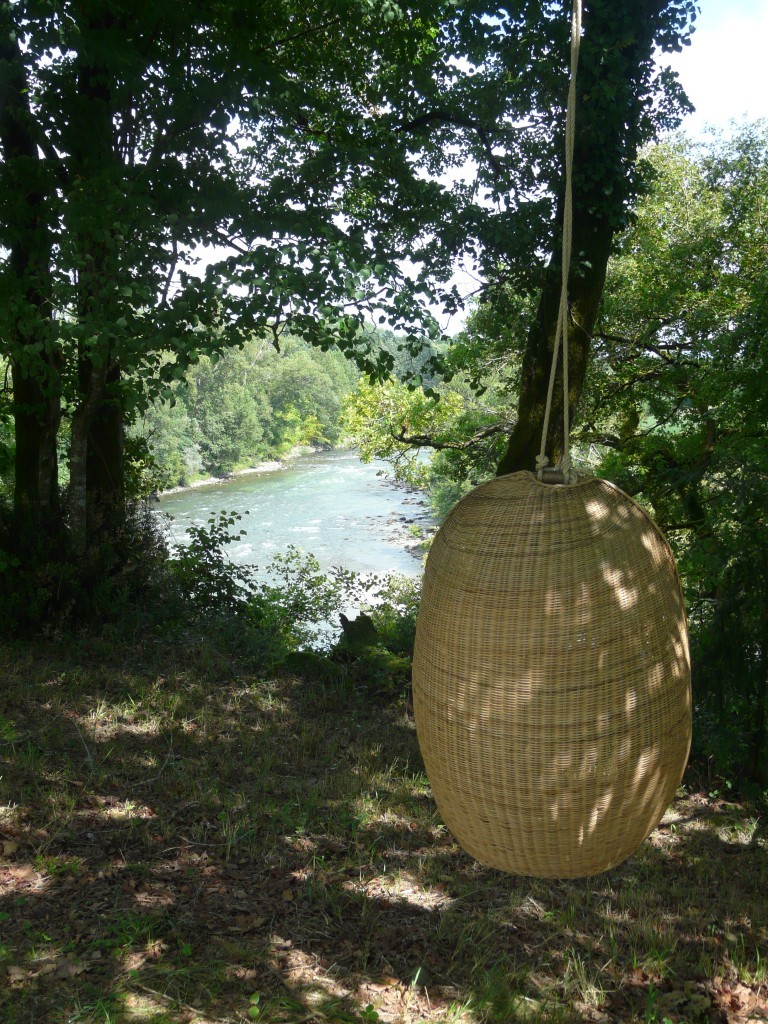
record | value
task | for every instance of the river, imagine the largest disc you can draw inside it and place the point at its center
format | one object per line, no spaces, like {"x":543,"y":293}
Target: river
{"x":343,"y":511}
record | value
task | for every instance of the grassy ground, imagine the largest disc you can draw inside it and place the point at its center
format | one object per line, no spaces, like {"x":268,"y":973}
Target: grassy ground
{"x":182,"y":842}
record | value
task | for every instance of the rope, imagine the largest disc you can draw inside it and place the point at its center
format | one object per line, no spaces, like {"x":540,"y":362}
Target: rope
{"x":561,"y":333}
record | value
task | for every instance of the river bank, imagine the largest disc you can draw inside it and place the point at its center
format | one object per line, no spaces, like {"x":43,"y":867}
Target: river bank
{"x":270,"y":466}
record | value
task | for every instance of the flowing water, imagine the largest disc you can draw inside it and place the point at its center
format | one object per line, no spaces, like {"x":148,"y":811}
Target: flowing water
{"x":330,"y":504}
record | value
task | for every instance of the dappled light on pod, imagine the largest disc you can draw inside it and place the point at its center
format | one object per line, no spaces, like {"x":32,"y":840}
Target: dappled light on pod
{"x":551,"y":675}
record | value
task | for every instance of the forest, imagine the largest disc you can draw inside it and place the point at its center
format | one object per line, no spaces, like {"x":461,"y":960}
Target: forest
{"x":229,"y":232}
{"x":249,"y":405}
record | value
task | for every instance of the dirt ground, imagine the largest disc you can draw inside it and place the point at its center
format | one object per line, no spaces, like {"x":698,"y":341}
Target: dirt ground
{"x":181,"y":841}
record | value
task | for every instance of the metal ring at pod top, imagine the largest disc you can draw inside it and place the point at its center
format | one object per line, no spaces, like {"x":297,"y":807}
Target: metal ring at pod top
{"x":551,"y":675}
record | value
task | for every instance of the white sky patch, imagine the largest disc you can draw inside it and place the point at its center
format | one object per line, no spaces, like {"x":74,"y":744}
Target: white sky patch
{"x":725,"y":69}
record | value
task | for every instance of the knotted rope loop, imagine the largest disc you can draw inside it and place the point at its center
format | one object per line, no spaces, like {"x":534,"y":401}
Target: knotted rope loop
{"x":563,"y":316}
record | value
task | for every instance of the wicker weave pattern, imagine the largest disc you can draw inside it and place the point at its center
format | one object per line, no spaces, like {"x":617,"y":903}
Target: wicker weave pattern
{"x":551,"y":675}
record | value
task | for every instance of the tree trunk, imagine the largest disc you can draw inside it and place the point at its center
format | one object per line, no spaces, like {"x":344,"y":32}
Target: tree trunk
{"x":96,"y":455}
{"x":36,"y":492}
{"x":92,"y":384}
{"x":105,"y":474}
{"x":593,"y":240}
{"x":757,"y":756}
{"x":28,"y":307}
{"x":617,"y":47}
{"x":36,"y":423}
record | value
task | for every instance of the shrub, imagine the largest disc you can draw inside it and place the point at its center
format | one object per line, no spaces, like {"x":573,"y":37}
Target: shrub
{"x":53,"y":590}
{"x":394,"y":614}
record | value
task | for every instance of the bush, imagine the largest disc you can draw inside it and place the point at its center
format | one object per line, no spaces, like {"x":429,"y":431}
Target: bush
{"x":394,"y":614}
{"x":729,"y":646}
{"x":196,"y":597}
{"x":286,"y":607}
{"x":53,"y":590}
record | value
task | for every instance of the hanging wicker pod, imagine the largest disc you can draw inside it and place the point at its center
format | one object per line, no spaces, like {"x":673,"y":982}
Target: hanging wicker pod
{"x":551,"y":676}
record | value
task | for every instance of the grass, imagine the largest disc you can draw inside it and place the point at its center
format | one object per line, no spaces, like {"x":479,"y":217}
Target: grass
{"x":183,"y":842}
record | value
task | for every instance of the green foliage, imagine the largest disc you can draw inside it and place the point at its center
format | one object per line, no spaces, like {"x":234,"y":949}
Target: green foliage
{"x":380,"y":418}
{"x":172,"y":452}
{"x":300,"y":600}
{"x":53,"y":592}
{"x":308,"y":387}
{"x":445,"y":490}
{"x":249,"y":404}
{"x":286,"y":607}
{"x":204,"y":574}
{"x":227,"y":418}
{"x":678,"y":409}
{"x":133,"y":140}
{"x":396,"y":421}
{"x":394,"y":613}
{"x":375,"y":648}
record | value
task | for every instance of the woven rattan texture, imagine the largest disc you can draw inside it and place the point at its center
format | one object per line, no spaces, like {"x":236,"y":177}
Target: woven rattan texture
{"x":551,"y":675}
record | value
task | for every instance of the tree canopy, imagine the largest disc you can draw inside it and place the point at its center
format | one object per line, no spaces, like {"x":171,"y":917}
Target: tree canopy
{"x":309,"y":146}
{"x":132,"y":136}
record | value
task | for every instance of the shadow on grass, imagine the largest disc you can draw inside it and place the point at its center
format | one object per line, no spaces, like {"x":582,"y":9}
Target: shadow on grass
{"x":176,"y":845}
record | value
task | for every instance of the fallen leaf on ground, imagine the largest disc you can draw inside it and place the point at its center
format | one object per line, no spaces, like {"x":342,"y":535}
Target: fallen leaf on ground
{"x":246,"y":922}
{"x":17,"y":974}
{"x":68,"y":969}
{"x":23,"y":873}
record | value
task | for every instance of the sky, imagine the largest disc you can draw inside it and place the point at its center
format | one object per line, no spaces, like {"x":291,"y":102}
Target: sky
{"x":725,"y":69}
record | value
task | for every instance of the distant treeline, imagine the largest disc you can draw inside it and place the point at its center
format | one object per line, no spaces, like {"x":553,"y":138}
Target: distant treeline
{"x":250,"y":405}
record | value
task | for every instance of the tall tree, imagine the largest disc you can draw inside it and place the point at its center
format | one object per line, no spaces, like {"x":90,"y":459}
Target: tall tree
{"x":623,"y":101}
{"x":27,"y":301}
{"x":487,"y":112}
{"x":678,"y":404}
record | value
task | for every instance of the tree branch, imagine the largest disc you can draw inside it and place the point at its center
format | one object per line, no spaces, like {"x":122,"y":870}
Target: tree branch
{"x":427,"y":441}
{"x":310,"y":30}
{"x":230,"y":241}
{"x":457,"y":121}
{"x":171,"y":272}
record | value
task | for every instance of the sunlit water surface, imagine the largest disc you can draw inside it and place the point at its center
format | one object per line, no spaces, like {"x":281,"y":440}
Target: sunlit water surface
{"x":330,"y":504}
